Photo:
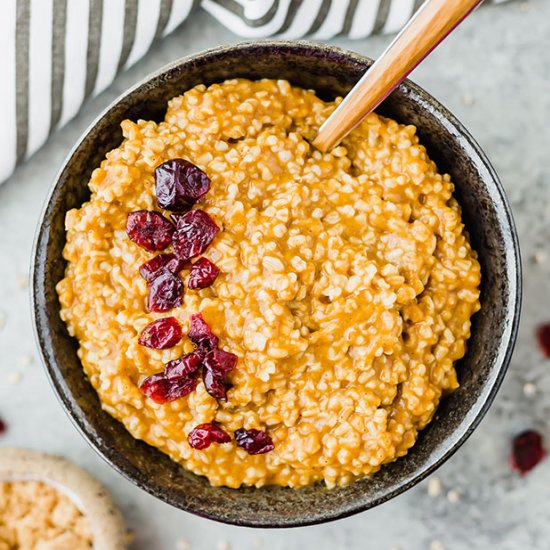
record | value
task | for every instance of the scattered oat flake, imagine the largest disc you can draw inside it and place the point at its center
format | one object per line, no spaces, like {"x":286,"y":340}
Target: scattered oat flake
{"x":543,"y":336}
{"x":453,"y":496}
{"x":26,"y":360}
{"x":436,"y":545}
{"x":14,"y":378}
{"x":539,"y":257}
{"x":434,"y":487}
{"x":22,"y":281}
{"x":529,"y":389}
{"x":468,"y":100}
{"x":524,"y":7}
{"x":183,"y":544}
{"x":257,"y":543}
{"x":223,"y":545}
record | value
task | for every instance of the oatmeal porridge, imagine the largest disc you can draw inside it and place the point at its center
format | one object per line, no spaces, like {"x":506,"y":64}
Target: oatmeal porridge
{"x":260,"y":311}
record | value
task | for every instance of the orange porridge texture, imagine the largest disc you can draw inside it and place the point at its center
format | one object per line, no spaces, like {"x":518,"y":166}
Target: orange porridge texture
{"x":346,"y":289}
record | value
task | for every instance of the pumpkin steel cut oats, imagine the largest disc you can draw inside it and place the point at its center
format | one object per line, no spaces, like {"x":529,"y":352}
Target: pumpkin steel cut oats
{"x":346,"y":287}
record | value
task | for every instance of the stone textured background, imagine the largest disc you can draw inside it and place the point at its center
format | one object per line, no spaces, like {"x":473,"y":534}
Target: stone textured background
{"x":494,"y":73}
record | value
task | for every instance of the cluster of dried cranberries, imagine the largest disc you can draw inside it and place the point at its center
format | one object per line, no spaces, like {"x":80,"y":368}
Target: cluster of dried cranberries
{"x":181,"y":375}
{"x":179,"y":184}
{"x":180,"y":378}
{"x":254,"y":442}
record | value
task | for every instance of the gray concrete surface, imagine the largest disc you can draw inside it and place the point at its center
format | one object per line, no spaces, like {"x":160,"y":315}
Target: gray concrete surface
{"x":494,"y":73}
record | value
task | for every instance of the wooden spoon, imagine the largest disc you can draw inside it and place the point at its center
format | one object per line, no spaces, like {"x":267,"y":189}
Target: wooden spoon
{"x":429,"y":26}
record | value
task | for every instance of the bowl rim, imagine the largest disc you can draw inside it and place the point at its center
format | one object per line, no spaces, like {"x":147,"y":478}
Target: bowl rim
{"x":502,"y":359}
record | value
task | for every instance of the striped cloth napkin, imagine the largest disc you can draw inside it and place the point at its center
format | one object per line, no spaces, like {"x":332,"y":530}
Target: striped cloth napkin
{"x":56,"y":53}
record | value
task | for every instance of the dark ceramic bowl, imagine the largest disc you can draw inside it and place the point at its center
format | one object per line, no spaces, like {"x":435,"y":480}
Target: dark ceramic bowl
{"x":331,"y":72}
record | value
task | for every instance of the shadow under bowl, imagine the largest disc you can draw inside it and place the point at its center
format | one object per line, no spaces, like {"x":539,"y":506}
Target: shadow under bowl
{"x":331,"y":72}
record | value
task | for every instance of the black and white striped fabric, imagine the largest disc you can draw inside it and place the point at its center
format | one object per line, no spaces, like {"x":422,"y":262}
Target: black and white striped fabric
{"x":56,"y":53}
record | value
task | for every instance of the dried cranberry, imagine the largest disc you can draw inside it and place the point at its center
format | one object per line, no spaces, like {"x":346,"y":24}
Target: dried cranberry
{"x":166,"y":292}
{"x":161,"y":334}
{"x":217,"y":364}
{"x":162,"y":390}
{"x":151,"y":269}
{"x":195,"y":231}
{"x":149,"y":230}
{"x":202,"y":436}
{"x":186,"y":365}
{"x":215,"y":384}
{"x":203,"y":273}
{"x":176,"y":217}
{"x":3,"y":426}
{"x":254,"y":442}
{"x":179,"y":184}
{"x":200,"y":333}
{"x":220,"y":362}
{"x":543,"y":334}
{"x":527,"y":451}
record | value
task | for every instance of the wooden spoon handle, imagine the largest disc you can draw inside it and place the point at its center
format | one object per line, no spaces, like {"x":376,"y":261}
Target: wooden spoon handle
{"x":430,"y":25}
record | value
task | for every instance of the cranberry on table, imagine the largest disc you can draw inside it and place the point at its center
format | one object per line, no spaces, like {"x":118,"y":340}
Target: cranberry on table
{"x":161,"y":334}
{"x":254,"y":442}
{"x":165,"y":293}
{"x":163,"y":390}
{"x":179,"y":184}
{"x":154,"y":267}
{"x":150,"y":230}
{"x":195,"y":231}
{"x":203,"y":274}
{"x":3,"y":426}
{"x":200,"y":333}
{"x":543,"y":335}
{"x":527,"y":451}
{"x":203,"y":435}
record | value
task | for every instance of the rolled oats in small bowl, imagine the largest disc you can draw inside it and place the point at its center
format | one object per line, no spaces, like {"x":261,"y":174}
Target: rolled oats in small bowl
{"x":264,"y":315}
{"x":49,"y":503}
{"x":35,"y":514}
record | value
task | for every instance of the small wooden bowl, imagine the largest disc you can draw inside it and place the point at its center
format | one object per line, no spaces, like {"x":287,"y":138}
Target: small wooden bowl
{"x":88,"y":495}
